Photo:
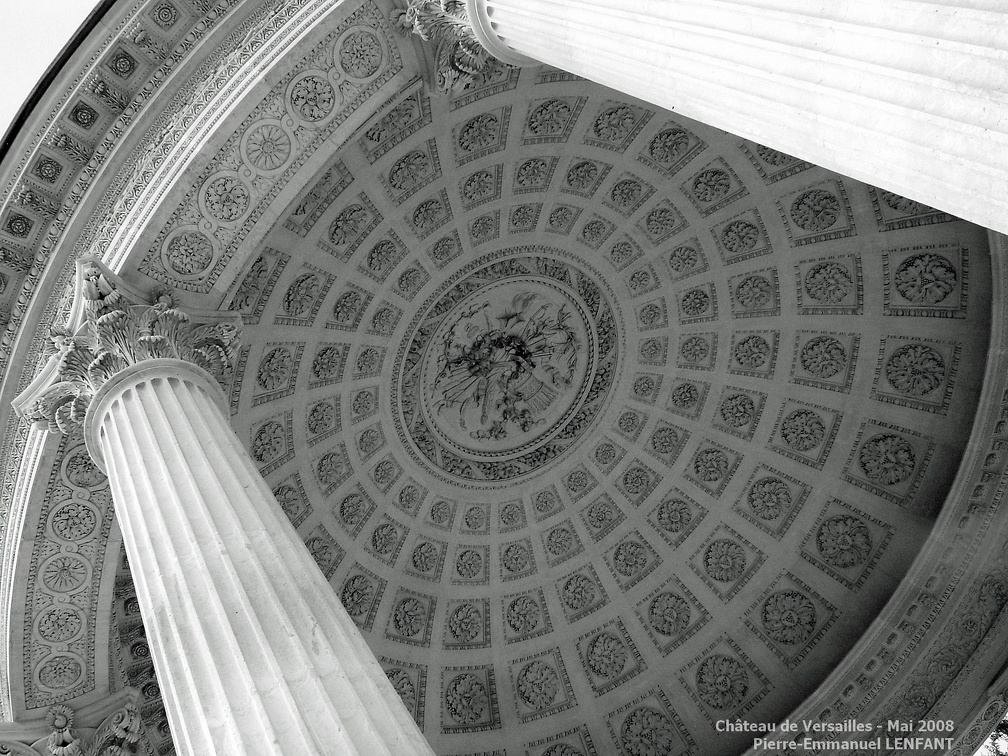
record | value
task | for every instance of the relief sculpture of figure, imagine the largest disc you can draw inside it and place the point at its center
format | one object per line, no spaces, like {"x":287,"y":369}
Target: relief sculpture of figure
{"x":510,"y":370}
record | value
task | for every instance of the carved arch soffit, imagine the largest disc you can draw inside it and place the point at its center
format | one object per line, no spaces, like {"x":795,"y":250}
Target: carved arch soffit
{"x":163,"y":130}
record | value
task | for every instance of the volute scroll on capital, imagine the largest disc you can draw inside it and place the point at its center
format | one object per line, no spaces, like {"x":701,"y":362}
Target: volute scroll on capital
{"x":461,"y":54}
{"x":111,"y":327}
{"x":116,"y":735}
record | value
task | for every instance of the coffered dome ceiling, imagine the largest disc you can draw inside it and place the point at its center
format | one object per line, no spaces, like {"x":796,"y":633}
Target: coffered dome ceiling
{"x":601,"y":423}
{"x":604,"y":425}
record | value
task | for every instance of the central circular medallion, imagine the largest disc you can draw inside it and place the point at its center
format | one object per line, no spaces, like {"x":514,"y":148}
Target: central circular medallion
{"x":506,"y":366}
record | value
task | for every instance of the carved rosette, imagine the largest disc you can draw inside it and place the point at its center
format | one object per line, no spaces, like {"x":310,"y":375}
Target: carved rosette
{"x":459,"y":57}
{"x":110,"y":328}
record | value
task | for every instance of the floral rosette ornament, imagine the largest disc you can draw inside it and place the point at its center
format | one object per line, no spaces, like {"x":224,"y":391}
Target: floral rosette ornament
{"x":111,"y":328}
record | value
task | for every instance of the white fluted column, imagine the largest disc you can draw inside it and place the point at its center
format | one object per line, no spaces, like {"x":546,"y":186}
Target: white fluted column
{"x":908,"y":95}
{"x":254,"y":652}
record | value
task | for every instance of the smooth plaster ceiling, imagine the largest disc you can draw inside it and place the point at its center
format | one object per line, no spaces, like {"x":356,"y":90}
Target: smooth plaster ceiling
{"x":599,"y":421}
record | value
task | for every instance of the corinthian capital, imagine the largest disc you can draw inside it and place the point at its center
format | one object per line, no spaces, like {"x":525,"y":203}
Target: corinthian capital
{"x":459,"y":57}
{"x":111,"y":327}
{"x":117,"y":734}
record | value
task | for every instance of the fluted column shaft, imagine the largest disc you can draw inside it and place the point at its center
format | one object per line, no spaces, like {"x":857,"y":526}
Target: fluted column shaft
{"x":907,"y":95}
{"x":253,"y":650}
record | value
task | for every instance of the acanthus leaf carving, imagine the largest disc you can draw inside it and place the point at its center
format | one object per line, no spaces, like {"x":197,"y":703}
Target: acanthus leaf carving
{"x":116,"y":735}
{"x":12,"y":748}
{"x":36,"y":201}
{"x":113,"y":99}
{"x":112,"y":327}
{"x":142,"y":38}
{"x":63,"y":741}
{"x":459,"y":57}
